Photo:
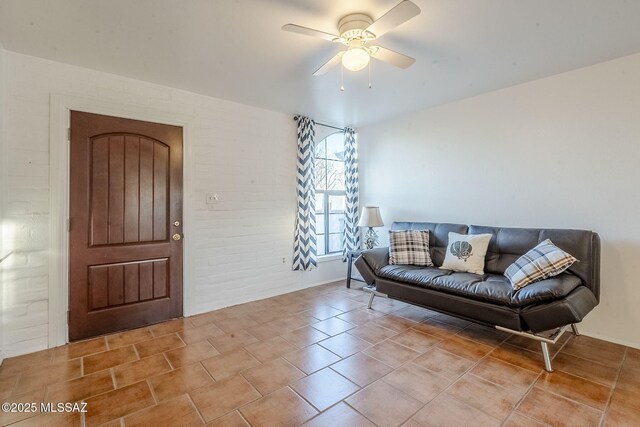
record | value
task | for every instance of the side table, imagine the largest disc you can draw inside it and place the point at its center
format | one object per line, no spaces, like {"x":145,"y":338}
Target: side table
{"x":351,"y":256}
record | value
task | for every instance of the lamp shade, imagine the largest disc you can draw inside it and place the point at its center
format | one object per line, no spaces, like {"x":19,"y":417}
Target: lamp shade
{"x":370,"y":217}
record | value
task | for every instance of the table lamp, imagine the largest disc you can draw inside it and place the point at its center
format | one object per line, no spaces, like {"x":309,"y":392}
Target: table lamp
{"x":370,"y":218}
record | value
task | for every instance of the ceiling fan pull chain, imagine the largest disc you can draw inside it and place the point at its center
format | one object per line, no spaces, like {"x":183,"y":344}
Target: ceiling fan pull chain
{"x":369,"y":74}
{"x":342,"y":78}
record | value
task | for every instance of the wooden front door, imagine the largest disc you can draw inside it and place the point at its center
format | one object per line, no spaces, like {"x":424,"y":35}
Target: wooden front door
{"x":125,"y":234}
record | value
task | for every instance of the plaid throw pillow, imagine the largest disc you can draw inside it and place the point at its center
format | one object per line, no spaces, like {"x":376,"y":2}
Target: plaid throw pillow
{"x":409,"y":247}
{"x":544,"y":261}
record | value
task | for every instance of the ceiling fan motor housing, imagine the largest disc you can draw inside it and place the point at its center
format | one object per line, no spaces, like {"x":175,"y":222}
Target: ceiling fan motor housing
{"x":352,"y":26}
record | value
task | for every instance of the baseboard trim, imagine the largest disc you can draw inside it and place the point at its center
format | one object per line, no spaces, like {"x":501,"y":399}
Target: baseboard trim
{"x":609,"y":339}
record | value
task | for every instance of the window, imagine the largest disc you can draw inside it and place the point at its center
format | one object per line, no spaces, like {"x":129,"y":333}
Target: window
{"x":330,"y":193}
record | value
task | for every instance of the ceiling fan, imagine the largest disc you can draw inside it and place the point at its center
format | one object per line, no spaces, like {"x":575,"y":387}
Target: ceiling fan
{"x":357,"y":31}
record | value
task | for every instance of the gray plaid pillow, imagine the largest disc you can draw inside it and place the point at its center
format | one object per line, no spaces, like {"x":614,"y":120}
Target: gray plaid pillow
{"x":544,"y":261}
{"x":409,"y":247}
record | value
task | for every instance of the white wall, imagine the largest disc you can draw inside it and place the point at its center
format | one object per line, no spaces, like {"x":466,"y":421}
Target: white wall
{"x":246,"y":155}
{"x":558,"y":152}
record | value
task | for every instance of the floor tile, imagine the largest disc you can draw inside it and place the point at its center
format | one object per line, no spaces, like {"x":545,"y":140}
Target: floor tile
{"x":52,"y":419}
{"x":311,"y":359}
{"x":200,"y":333}
{"x":176,"y":412}
{"x":451,"y":320}
{"x":158,"y":345}
{"x":230,"y":364}
{"x":280,"y":408}
{"x":180,"y":381}
{"x":447,"y":411}
{"x":504,"y":374}
{"x":418,"y":382}
{"x":444,"y":363}
{"x":546,"y":407}
{"x":344,"y":344}
{"x":465,"y":348}
{"x":323,"y":312}
{"x":79,"y":349}
{"x":391,"y":353}
{"x":117,"y":403}
{"x":108,"y":359}
{"x":233,"y":419}
{"x":341,"y":415}
{"x":484,"y":335}
{"x":584,"y":368}
{"x":438,"y":329}
{"x":324,"y":388}
{"x":575,"y":388}
{"x":624,"y":409}
{"x":486,"y":396}
{"x":304,"y":336}
{"x":217,"y":399}
{"x":361,"y":369}
{"x":384,"y":405}
{"x":39,"y":376}
{"x":518,"y":420}
{"x":80,"y":388}
{"x":7,"y":385}
{"x":14,"y":365}
{"x":395,"y":323}
{"x":416,"y":340}
{"x":360,"y":316}
{"x":372,"y":333}
{"x":270,"y":349}
{"x":32,"y":396}
{"x":128,"y":337}
{"x":333,"y":326}
{"x":191,"y":353}
{"x":417,"y":314}
{"x":172,"y":326}
{"x":133,"y":372}
{"x":236,"y":324}
{"x":272,"y":375}
{"x":233,"y":341}
{"x":519,"y":357}
{"x":603,"y":352}
{"x":264,"y":331}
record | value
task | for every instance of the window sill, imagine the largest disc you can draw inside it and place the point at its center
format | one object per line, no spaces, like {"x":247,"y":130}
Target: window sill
{"x":330,"y":257}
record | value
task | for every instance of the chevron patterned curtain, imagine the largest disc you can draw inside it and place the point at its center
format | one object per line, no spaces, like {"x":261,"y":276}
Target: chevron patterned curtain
{"x":351,"y":235}
{"x":304,"y":248}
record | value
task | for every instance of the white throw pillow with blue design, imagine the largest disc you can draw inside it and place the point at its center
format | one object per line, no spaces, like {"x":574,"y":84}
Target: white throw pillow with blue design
{"x":466,"y":252}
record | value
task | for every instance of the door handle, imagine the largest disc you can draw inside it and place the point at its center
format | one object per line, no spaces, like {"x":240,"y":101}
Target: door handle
{"x":176,"y":236}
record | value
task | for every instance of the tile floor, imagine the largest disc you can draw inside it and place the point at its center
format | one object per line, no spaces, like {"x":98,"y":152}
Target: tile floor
{"x":318,"y":357}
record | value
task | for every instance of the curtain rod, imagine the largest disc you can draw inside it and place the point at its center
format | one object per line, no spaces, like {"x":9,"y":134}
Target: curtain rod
{"x":328,"y":126}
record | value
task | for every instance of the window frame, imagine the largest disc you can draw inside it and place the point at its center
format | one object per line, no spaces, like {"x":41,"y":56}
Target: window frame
{"x":325,"y":200}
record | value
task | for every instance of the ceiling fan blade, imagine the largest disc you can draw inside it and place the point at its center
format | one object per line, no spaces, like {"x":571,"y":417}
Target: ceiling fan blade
{"x":329,"y":64}
{"x":309,"y":32}
{"x":391,"y":57}
{"x":401,"y":13}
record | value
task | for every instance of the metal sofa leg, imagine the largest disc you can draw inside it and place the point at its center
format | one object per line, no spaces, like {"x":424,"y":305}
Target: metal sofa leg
{"x":574,"y":329}
{"x":547,"y":356}
{"x":373,"y":294}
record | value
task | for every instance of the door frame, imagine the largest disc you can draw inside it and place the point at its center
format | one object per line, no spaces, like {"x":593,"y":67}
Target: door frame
{"x":59,"y":123}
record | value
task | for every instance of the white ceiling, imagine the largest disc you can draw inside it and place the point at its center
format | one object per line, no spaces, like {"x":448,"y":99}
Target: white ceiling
{"x":235,"y":50}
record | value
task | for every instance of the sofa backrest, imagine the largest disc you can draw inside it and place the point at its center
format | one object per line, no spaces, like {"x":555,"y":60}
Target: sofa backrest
{"x":507,"y":244}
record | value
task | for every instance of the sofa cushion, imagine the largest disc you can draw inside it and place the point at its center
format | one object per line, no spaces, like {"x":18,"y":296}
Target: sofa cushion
{"x":544,"y":261}
{"x":466,"y":252}
{"x":492,"y":288}
{"x":409,"y":247}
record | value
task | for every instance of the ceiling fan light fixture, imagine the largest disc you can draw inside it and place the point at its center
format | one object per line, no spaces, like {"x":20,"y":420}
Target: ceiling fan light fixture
{"x":355,"y":59}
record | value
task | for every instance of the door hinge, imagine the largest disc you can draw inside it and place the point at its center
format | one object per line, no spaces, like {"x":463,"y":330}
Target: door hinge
{"x":68,"y":134}
{"x":68,"y":316}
